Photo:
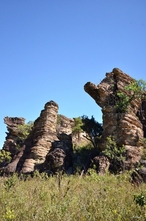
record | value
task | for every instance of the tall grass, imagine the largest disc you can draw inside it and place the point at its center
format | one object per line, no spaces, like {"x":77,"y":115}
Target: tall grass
{"x":67,"y":198}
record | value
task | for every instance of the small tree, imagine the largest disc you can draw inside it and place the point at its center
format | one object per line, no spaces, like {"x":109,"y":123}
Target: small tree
{"x":133,"y":91}
{"x":77,"y":128}
{"x":24,"y":130}
{"x":93,"y":130}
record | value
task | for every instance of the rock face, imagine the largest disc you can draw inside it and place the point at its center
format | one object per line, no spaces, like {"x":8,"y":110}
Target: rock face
{"x":40,"y":140}
{"x":102,"y":164}
{"x":142,"y":114}
{"x":64,"y":124}
{"x":43,"y":141}
{"x":60,"y":155}
{"x":12,"y":138}
{"x":125,"y":128}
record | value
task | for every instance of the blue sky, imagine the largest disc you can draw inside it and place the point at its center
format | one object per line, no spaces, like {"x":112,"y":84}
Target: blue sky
{"x":49,"y":49}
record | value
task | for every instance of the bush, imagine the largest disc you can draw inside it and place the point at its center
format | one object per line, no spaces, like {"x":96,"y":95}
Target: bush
{"x":24,"y":130}
{"x":115,"y":154}
{"x":5,"y":156}
{"x":133,"y":91}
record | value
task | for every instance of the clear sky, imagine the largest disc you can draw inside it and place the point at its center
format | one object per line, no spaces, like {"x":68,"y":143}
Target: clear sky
{"x":49,"y":49}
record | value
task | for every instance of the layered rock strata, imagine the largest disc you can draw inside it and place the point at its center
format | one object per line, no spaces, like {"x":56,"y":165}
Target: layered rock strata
{"x":43,"y":141}
{"x":125,"y":128}
{"x":40,"y":140}
{"x":64,"y":124}
{"x":12,"y":138}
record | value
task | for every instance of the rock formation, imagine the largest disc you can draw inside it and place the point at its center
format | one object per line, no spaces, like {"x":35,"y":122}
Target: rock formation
{"x":102,"y":164}
{"x":12,"y":138}
{"x":64,"y":124}
{"x":60,"y":155}
{"x":142,"y":114}
{"x":125,"y":128}
{"x":49,"y":145}
{"x":40,"y":141}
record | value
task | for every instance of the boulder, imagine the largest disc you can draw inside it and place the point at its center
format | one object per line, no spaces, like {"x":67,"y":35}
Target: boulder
{"x":102,"y":164}
{"x":60,"y":155}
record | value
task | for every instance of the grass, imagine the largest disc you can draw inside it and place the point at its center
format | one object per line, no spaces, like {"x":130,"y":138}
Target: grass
{"x":68,"y":198}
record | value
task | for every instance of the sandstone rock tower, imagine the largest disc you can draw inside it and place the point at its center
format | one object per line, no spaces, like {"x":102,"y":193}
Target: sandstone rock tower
{"x":125,"y":128}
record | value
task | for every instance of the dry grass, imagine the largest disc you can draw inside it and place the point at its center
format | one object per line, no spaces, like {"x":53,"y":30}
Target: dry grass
{"x":68,"y":198}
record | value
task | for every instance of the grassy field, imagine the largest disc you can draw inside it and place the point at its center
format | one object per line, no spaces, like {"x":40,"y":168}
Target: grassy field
{"x":68,"y":198}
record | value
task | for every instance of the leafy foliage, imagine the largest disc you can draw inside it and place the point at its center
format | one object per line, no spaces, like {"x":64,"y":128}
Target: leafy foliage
{"x":25,"y":129}
{"x":77,"y":128}
{"x":115,"y":154}
{"x":10,"y":182}
{"x":140,"y":199}
{"x":92,"y":128}
{"x":82,"y":157}
{"x":122,"y":103}
{"x":133,"y":91}
{"x":5,"y":156}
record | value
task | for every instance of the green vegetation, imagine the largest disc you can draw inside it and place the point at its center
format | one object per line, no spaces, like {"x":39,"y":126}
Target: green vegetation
{"x":140,"y":198}
{"x":58,"y":119}
{"x":77,"y":128}
{"x":133,"y":91}
{"x":91,"y":127}
{"x":86,"y":198}
{"x":82,"y":157}
{"x":115,"y":154}
{"x":5,"y":156}
{"x":93,"y":130}
{"x":24,"y":130}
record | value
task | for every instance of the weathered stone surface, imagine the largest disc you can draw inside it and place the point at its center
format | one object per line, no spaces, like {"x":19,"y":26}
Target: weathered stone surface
{"x":125,"y":128}
{"x":64,"y":124}
{"x":12,"y":167}
{"x":142,"y":172}
{"x":60,"y":155}
{"x":51,"y":136}
{"x":12,"y":138}
{"x":40,"y":140}
{"x":142,"y":114}
{"x":102,"y":164}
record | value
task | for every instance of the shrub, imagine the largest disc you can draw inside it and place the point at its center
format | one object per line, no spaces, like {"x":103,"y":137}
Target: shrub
{"x":5,"y":156}
{"x":140,"y":199}
{"x":133,"y":91}
{"x":115,"y":154}
{"x":24,"y":130}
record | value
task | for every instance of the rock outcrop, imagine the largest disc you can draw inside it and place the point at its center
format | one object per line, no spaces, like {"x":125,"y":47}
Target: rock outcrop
{"x":125,"y":128}
{"x":12,"y":138}
{"x":60,"y":155}
{"x":49,"y":144}
{"x":102,"y":164}
{"x":42,"y":141}
{"x":64,"y":124}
